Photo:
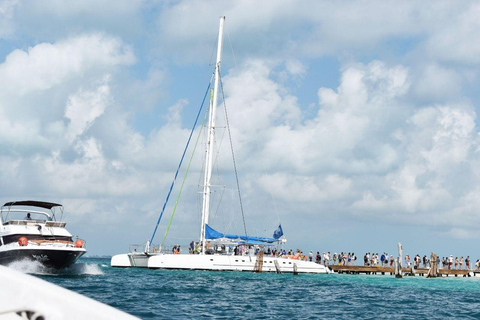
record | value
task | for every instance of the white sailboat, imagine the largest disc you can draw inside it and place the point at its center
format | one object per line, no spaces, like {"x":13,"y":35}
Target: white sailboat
{"x":208,"y":259}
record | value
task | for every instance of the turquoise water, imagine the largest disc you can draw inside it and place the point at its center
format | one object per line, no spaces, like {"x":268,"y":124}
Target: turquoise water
{"x":163,"y":294}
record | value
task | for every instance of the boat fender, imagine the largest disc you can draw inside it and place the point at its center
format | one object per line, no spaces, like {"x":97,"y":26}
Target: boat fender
{"x":23,"y":241}
{"x":79,"y":243}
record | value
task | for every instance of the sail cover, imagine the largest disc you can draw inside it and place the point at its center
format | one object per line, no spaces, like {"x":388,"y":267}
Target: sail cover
{"x":214,"y":234}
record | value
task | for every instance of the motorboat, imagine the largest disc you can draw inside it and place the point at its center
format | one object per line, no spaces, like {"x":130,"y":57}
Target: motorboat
{"x":35,"y":231}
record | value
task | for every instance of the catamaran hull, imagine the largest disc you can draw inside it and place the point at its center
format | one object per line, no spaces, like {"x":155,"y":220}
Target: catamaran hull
{"x":127,"y":260}
{"x":57,"y":258}
{"x":232,"y":263}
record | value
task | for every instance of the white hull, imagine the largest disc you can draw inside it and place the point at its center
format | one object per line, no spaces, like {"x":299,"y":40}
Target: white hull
{"x":128,"y":260}
{"x":43,"y":300}
{"x":216,"y":263}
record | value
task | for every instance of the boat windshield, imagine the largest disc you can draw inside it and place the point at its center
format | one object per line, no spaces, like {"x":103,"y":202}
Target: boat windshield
{"x":16,"y":214}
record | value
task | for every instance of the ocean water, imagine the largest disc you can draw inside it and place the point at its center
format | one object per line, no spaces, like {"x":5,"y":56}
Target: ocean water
{"x":164,"y":294}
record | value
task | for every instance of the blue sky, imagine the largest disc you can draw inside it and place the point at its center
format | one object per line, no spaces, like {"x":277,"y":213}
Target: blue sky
{"x":354,"y":122}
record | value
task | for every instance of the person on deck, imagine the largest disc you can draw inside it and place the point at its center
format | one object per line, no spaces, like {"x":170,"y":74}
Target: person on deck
{"x":28,"y":217}
{"x":407,"y":261}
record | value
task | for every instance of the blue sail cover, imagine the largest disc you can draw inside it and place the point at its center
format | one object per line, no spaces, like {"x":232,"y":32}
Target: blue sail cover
{"x":214,"y":234}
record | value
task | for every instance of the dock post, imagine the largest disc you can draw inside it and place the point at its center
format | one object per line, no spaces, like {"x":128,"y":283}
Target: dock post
{"x":398,"y":262}
{"x":433,"y":271}
{"x":259,"y":263}
{"x":277,"y":266}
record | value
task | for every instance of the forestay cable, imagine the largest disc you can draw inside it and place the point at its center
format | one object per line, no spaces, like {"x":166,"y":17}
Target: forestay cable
{"x":181,"y":161}
{"x":183,"y":183}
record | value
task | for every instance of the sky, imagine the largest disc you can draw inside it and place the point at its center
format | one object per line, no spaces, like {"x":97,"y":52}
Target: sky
{"x":353,"y":123}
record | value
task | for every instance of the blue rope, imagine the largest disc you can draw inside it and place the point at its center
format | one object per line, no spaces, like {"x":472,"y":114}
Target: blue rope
{"x":180,"y":164}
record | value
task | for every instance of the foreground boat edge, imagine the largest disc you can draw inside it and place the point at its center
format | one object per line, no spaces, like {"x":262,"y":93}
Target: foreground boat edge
{"x":44,"y":300}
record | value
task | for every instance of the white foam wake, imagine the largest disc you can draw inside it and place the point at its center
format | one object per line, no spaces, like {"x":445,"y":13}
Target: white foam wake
{"x":29,"y":266}
{"x":83,"y":268}
{"x":35,"y":267}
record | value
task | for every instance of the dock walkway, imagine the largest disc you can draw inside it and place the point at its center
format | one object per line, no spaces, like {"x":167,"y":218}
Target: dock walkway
{"x":379,"y":270}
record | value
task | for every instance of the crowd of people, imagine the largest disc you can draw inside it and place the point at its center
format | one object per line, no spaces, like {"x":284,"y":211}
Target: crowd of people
{"x":342,"y":258}
{"x":326,"y":258}
{"x":386,"y":260}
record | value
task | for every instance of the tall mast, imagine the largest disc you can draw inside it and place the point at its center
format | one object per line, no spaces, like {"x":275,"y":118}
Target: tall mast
{"x":211,"y":138}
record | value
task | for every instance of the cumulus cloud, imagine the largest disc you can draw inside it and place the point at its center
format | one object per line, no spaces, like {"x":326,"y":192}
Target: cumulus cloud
{"x":393,"y":139}
{"x":46,"y":65}
{"x":325,"y":28}
{"x":437,"y":83}
{"x":368,"y":148}
{"x":83,"y":108}
{"x":42,"y":85}
{"x":7,"y":25}
{"x":453,"y":41}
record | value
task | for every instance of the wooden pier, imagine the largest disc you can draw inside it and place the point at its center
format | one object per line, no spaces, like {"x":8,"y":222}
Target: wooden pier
{"x":379,"y":270}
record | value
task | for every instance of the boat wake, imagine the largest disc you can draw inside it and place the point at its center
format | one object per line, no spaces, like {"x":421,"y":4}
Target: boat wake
{"x":83,"y":268}
{"x":35,"y":267}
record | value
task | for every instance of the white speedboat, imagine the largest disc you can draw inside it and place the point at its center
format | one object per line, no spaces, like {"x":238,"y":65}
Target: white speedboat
{"x":218,"y":260}
{"x":34,"y":231}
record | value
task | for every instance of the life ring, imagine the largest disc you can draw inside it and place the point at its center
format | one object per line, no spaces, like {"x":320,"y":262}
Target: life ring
{"x":23,"y":241}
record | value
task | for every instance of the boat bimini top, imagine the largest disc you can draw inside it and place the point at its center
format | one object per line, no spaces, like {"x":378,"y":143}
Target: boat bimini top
{"x":10,"y":214}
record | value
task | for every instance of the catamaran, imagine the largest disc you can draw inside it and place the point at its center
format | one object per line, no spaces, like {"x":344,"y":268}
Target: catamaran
{"x":216,"y":250}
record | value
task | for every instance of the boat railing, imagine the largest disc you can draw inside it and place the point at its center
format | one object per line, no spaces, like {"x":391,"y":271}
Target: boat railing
{"x":52,"y":243}
{"x":145,"y":247}
{"x":34,"y":222}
